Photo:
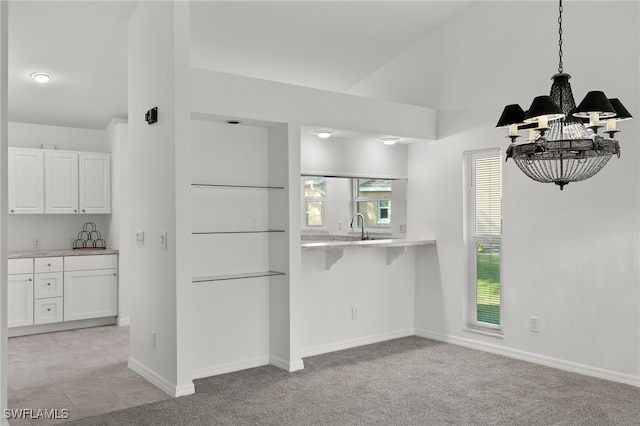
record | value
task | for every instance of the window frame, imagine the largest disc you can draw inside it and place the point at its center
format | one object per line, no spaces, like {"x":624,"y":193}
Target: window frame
{"x":379,"y":226}
{"x":473,"y":238}
{"x":307,"y":200}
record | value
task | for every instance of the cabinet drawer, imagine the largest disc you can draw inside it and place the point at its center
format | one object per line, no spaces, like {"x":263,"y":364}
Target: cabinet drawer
{"x":47,"y":310}
{"x":84,"y":263}
{"x":47,"y":285}
{"x":20,"y":266}
{"x":47,"y":264}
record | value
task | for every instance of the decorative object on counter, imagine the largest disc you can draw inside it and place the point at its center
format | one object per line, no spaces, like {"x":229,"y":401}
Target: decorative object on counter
{"x":562,"y":147}
{"x":89,"y":238}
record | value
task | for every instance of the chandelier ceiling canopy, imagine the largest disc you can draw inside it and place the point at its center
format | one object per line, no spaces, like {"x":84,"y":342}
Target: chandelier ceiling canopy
{"x":563,"y":144}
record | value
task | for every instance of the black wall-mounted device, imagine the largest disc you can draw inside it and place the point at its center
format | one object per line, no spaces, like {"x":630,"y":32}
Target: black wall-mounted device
{"x":151,"y":116}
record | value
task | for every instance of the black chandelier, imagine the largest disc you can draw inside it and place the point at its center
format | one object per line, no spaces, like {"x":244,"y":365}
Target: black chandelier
{"x":563,"y":144}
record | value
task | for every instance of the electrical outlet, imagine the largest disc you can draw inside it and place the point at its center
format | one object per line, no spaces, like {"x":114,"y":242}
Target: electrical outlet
{"x":339,"y":226}
{"x":403,"y":228}
{"x":354,"y":313}
{"x":36,"y":243}
{"x":163,"y":239}
{"x":153,"y":339}
{"x":534,"y":324}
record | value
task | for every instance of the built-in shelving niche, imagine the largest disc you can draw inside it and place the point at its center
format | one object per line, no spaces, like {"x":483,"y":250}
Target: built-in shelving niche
{"x":240,"y":251}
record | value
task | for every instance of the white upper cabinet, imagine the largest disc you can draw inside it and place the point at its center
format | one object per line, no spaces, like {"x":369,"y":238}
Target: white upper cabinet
{"x":50,"y":181}
{"x":61,"y":181}
{"x":26,"y":183}
{"x":95,"y":183}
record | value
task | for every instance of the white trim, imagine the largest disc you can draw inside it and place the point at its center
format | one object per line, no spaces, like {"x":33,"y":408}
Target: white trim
{"x":60,"y":326}
{"x":230,"y":367}
{"x":352,"y":343}
{"x":497,"y":333}
{"x":534,"y":358}
{"x":170,"y":388}
{"x":123,"y":322}
{"x":290,"y":366}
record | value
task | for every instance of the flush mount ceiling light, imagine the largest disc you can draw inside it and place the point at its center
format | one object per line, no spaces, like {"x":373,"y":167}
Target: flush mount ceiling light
{"x":389,"y":141}
{"x":562,"y":147}
{"x":40,"y":77}
{"x":323,"y":134}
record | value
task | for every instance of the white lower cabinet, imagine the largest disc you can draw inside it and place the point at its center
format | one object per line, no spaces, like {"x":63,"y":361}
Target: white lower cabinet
{"x":20,"y":300}
{"x":54,"y":289}
{"x":90,"y":287}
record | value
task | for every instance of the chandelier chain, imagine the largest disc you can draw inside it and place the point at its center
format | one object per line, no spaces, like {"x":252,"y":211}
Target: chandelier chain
{"x":560,"y":65}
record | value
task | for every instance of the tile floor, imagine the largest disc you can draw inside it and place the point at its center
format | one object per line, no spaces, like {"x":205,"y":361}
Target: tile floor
{"x":84,"y":371}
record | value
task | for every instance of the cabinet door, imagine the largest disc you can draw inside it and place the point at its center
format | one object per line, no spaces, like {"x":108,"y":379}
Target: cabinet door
{"x":61,"y":182}
{"x":95,"y":183}
{"x":90,"y":294}
{"x":26,"y":181}
{"x":20,"y":300}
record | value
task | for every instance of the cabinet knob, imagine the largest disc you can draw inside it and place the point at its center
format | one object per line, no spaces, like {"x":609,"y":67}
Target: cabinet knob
{"x":83,"y":210}
{"x":49,"y":265}
{"x":75,"y":211}
{"x":12,"y":211}
{"x":48,"y":309}
{"x":30,"y":279}
{"x":114,"y":274}
{"x":48,"y":284}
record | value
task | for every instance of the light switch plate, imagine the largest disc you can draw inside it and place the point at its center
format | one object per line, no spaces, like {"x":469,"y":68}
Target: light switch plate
{"x":163,"y":239}
{"x":140,"y":237}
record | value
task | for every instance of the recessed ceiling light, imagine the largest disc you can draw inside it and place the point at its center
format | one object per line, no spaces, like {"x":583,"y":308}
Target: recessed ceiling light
{"x":389,"y":141}
{"x":323,"y":134}
{"x":40,"y":77}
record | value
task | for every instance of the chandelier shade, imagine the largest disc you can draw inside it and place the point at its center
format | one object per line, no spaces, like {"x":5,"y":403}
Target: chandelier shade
{"x":512,"y":114}
{"x":564,"y":145}
{"x":621,"y":111}
{"x":543,"y":106}
{"x":595,"y":102}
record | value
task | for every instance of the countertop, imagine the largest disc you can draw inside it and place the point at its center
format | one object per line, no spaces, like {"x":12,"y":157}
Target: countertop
{"x":311,"y":243}
{"x":55,"y":253}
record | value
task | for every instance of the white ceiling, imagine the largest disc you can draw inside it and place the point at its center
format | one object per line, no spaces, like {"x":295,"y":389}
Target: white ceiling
{"x":328,"y":45}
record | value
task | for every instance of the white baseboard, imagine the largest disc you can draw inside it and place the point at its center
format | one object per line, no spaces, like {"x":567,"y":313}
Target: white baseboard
{"x":123,"y":322}
{"x":230,"y":367}
{"x":352,"y":343}
{"x":289,"y":366}
{"x":170,"y":388}
{"x":59,"y":326}
{"x":534,"y":358}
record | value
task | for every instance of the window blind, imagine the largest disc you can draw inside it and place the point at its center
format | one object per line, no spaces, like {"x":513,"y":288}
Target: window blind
{"x":485,"y":214}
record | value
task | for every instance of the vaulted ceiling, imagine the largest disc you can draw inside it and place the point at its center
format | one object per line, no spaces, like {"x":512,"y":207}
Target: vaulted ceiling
{"x":329,"y":45}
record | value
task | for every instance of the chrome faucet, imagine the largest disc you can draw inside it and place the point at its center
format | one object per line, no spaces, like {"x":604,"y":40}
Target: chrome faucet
{"x":362,"y":237}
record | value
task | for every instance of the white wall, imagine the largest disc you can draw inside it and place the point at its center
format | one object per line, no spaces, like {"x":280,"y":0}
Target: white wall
{"x":383,"y":295}
{"x":119,"y":223}
{"x":158,"y":61}
{"x":4,"y":21}
{"x":27,"y":135}
{"x":569,"y":258}
{"x":54,"y":231}
{"x":230,"y":96}
{"x":352,"y":157}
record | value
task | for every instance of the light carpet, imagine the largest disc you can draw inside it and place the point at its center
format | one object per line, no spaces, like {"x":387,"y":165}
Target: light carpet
{"x":408,"y":381}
